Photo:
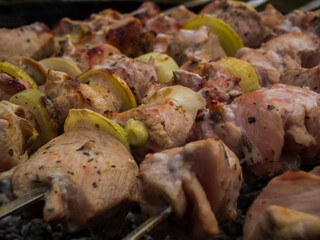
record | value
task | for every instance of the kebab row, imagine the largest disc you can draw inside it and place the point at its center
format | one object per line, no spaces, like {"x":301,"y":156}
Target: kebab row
{"x":191,"y":125}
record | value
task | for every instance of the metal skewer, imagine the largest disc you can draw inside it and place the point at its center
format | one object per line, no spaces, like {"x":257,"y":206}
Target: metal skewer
{"x":310,"y":6}
{"x":148,"y":225}
{"x":31,"y":197}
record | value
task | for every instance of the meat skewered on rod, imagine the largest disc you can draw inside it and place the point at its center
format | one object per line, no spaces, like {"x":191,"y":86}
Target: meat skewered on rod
{"x":165,"y":212}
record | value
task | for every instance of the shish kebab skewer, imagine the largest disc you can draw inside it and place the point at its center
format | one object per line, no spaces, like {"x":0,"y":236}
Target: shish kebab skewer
{"x":150,"y":223}
{"x":188,"y":5}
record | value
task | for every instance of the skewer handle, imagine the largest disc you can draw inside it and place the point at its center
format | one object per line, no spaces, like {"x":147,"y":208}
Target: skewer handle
{"x":33,"y":196}
{"x":148,"y":225}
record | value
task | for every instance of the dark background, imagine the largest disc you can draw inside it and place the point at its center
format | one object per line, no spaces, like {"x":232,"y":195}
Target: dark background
{"x":17,"y":13}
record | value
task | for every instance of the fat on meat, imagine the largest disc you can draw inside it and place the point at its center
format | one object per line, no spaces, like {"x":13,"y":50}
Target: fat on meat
{"x":34,"y":40}
{"x":245,"y":21}
{"x":287,"y":208}
{"x":89,"y":177}
{"x":67,"y":93}
{"x":10,"y":85}
{"x":16,"y":135}
{"x":267,"y":126}
{"x":201,"y":181}
{"x":167,"y":125}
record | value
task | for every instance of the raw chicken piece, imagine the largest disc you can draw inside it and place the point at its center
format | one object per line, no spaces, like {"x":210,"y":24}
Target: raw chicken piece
{"x":34,"y":40}
{"x":67,"y":93}
{"x":167,"y":125}
{"x":201,"y":181}
{"x":16,"y":135}
{"x":287,"y":208}
{"x":10,"y":85}
{"x":90,"y":179}
{"x":267,"y":125}
{"x":245,"y":21}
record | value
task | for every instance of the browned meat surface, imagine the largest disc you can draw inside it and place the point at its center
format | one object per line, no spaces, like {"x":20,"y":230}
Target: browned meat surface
{"x":271,"y":18}
{"x":67,"y":93}
{"x":10,"y":85}
{"x":268,"y":125}
{"x":287,"y":208}
{"x":79,"y":29}
{"x":279,"y":55}
{"x":16,"y":134}
{"x":137,"y":74}
{"x":197,"y":45}
{"x":34,"y":40}
{"x":220,"y":84}
{"x":162,"y":24}
{"x":91,"y":179}
{"x":308,"y":78}
{"x":167,"y":125}
{"x":262,"y":63}
{"x":31,"y":67}
{"x":200,"y":181}
{"x":125,"y":35}
{"x":146,"y":11}
{"x":187,"y":79}
{"x":245,"y":21}
{"x":310,"y":59}
{"x":298,"y":21}
{"x":181,"y":14}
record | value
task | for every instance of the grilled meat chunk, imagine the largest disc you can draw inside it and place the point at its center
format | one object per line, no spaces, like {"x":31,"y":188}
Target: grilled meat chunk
{"x":125,"y":35}
{"x":201,"y":181}
{"x":308,"y":78}
{"x":187,"y":79}
{"x":269,"y":124}
{"x":278,"y":55}
{"x":137,"y":74}
{"x":16,"y":134}
{"x":67,"y":93}
{"x":167,"y":125}
{"x":10,"y":85}
{"x":181,"y":14}
{"x":287,"y":208}
{"x":197,"y":45}
{"x":244,"y":20}
{"x":220,"y":84}
{"x":34,"y":40}
{"x":146,"y":11}
{"x":89,"y":176}
{"x":31,"y":67}
{"x":162,"y":24}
